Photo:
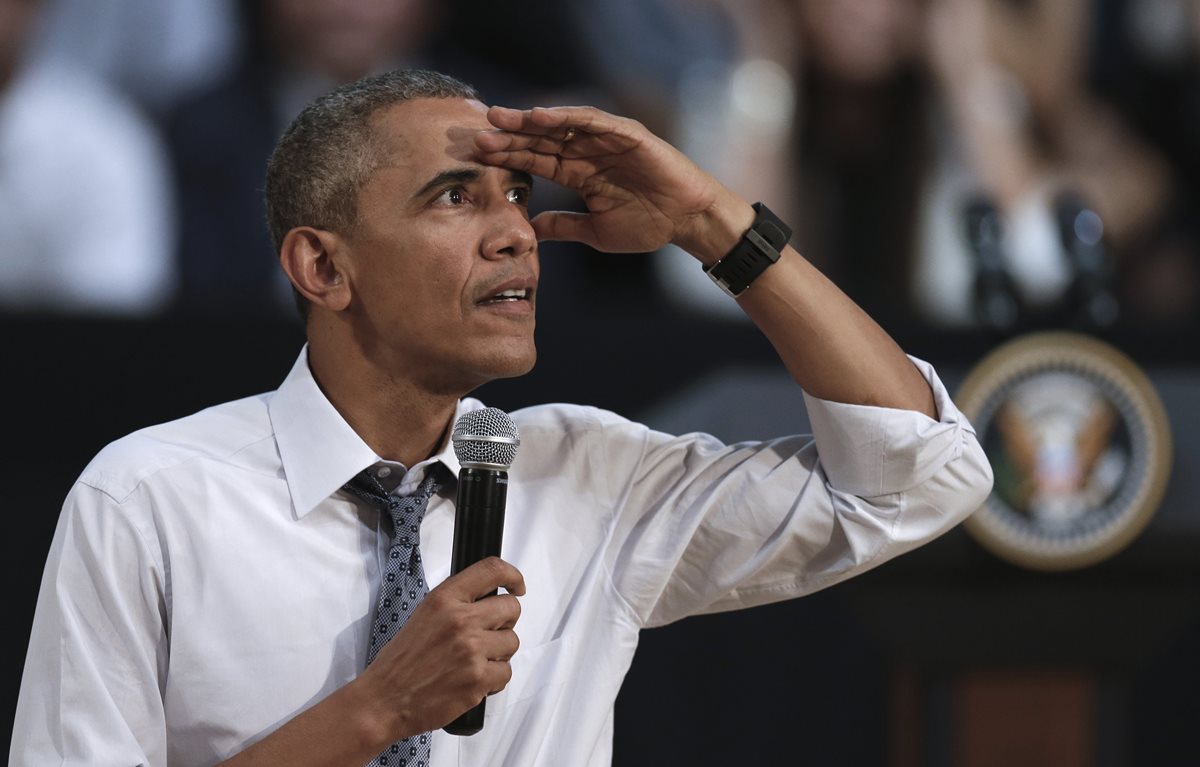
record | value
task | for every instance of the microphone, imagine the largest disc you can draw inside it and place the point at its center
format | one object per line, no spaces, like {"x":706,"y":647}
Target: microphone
{"x":485,"y":442}
{"x":1082,"y":231}
{"x":995,"y":295}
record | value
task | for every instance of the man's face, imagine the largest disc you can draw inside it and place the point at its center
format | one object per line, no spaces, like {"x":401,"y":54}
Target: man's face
{"x":442,"y":261}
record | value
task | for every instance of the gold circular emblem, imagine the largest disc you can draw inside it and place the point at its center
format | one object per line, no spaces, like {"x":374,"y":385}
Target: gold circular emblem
{"x":1080,"y":446}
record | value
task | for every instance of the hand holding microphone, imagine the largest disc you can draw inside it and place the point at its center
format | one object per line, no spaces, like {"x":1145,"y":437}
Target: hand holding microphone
{"x":455,"y":648}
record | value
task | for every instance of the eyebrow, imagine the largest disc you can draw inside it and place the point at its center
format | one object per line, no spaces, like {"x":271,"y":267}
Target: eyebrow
{"x":461,"y":176}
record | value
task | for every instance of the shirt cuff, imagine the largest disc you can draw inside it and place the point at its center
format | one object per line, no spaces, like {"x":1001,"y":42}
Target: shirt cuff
{"x":871,"y":451}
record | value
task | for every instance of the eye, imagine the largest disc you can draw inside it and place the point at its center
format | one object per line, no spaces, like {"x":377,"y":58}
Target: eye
{"x":519,"y":195}
{"x":452,"y":196}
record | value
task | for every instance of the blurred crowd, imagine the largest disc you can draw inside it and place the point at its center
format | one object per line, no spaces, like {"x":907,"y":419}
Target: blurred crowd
{"x":951,"y":163}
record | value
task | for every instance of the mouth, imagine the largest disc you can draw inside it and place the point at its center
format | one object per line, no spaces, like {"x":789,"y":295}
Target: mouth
{"x":514,"y":294}
{"x":508,"y":296}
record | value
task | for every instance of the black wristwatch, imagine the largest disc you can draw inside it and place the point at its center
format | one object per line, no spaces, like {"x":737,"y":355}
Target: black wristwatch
{"x":758,"y":249}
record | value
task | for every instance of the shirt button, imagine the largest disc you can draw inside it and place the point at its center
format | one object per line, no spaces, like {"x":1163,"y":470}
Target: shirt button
{"x":384,"y":471}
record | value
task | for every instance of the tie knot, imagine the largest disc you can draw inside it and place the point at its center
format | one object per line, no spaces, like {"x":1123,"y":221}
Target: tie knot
{"x":405,"y":511}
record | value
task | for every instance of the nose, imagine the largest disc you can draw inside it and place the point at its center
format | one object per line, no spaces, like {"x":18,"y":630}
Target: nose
{"x":509,"y":233}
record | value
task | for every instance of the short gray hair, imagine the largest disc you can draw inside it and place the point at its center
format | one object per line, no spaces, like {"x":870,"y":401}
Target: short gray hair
{"x":329,"y":151}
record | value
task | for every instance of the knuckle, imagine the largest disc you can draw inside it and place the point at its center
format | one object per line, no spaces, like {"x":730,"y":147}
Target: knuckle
{"x":469,"y":648}
{"x":437,"y":599}
{"x":477,"y":674}
{"x":496,"y":567}
{"x":459,"y":622}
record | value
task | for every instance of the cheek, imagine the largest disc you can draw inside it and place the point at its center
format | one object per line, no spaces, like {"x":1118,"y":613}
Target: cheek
{"x":432,"y":294}
{"x":423,"y":280}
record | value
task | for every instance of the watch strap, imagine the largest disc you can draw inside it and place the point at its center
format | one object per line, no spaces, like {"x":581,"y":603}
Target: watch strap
{"x":759,"y":248}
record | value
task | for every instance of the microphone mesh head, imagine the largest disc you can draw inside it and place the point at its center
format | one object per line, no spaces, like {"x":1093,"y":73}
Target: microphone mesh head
{"x":486,"y":437}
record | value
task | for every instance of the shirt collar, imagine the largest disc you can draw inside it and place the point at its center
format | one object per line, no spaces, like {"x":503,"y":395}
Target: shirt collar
{"x":319,"y":451}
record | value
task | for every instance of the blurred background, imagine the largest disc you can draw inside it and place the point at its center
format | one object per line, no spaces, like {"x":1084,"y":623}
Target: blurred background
{"x":967,"y":170}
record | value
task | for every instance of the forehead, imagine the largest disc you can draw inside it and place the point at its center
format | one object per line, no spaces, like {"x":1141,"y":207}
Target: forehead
{"x":427,"y":133}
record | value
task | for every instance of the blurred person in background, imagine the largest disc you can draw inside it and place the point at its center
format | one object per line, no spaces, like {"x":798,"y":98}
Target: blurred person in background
{"x":1026,"y":132}
{"x":863,"y":144}
{"x":156,"y":52}
{"x":827,"y":104}
{"x":220,"y":139}
{"x":85,"y":200}
{"x":887,"y":120}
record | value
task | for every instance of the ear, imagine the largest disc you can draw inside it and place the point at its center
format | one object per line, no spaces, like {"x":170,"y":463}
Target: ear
{"x":307,"y":259}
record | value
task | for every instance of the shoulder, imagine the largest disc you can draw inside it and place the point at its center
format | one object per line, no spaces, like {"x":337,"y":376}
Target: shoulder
{"x":566,"y":424}
{"x":563,"y":417}
{"x":566,"y":434}
{"x":218,"y":433}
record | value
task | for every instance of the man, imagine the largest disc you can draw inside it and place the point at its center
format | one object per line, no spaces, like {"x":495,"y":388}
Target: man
{"x":212,"y":590}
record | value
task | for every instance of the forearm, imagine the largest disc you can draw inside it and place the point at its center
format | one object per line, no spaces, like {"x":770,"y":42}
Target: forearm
{"x":343,"y":729}
{"x":830,"y":346}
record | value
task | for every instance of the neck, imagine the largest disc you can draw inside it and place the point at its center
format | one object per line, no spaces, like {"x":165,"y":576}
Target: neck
{"x":398,"y":418}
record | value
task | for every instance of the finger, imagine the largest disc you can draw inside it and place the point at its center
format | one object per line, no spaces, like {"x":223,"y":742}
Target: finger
{"x":537,"y":120}
{"x":554,"y":121}
{"x":499,"y":675}
{"x":500,"y":141}
{"x":501,"y":645}
{"x":565,"y":225}
{"x":482,"y":578}
{"x":497,"y":612}
{"x":571,"y":173}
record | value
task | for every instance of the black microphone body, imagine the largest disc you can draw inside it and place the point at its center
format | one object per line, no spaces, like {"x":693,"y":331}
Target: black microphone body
{"x":485,"y":442}
{"x":478,"y":531}
{"x":478,"y":516}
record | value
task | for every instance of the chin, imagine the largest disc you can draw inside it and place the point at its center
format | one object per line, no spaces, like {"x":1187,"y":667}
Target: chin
{"x":503,"y":361}
{"x":517,"y":365}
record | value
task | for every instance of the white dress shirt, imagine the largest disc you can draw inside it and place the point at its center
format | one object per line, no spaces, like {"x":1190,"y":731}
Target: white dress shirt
{"x":209,"y":580}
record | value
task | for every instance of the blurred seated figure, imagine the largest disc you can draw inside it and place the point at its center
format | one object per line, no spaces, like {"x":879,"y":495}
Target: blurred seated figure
{"x":951,"y":161}
{"x":220,"y":139}
{"x":1023,"y":131}
{"x":864,"y":144}
{"x":84,"y":195}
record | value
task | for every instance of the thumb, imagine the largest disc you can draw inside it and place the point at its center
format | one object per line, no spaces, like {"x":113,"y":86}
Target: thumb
{"x":565,"y":225}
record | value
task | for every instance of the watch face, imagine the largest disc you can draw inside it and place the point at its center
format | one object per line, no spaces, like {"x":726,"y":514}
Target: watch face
{"x":1079,"y":444}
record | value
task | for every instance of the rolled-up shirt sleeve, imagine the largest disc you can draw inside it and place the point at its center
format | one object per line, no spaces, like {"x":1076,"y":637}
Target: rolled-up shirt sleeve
{"x":700,"y":526}
{"x":92,"y":686}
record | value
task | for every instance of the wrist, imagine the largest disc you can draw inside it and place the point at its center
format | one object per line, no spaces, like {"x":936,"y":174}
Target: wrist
{"x":717,"y":230}
{"x":757,"y":249}
{"x":373,"y":726}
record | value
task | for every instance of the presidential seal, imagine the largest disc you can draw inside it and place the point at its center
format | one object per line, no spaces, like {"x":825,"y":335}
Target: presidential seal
{"x":1080,"y":446}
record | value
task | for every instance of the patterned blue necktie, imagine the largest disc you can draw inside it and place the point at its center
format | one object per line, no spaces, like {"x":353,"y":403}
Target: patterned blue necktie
{"x":402,"y":587}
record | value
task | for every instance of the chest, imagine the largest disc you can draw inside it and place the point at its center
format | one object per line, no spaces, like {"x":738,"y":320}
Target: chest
{"x":270,"y":613}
